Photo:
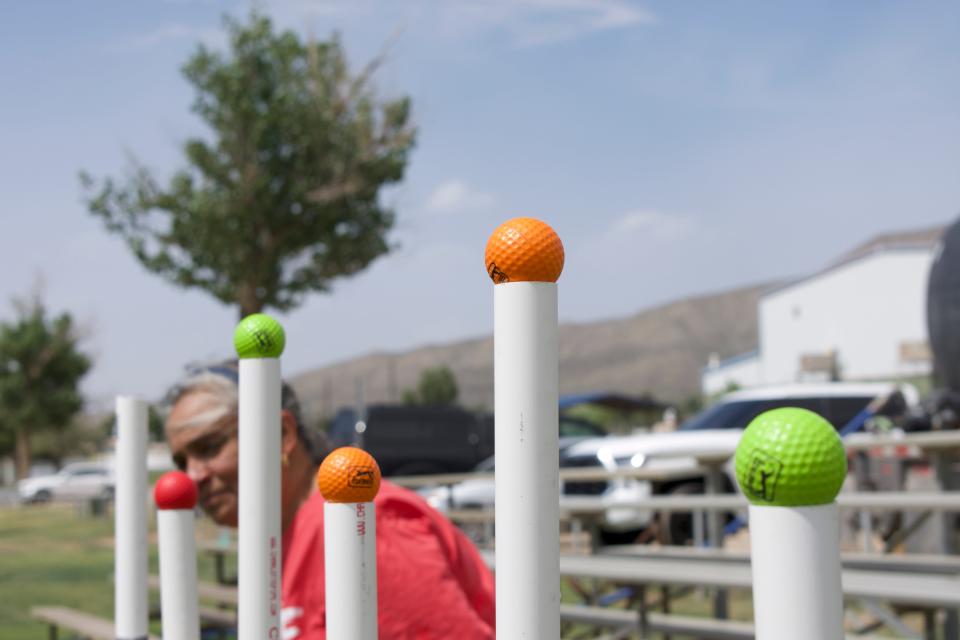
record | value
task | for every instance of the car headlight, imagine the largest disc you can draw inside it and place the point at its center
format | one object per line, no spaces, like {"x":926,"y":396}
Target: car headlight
{"x":637,"y":460}
{"x":605,"y":456}
{"x":436,"y":497}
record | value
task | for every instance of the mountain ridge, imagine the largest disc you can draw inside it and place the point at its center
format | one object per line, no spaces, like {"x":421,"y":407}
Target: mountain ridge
{"x":658,"y":351}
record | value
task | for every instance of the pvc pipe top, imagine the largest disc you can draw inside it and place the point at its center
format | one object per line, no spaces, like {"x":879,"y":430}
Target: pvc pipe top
{"x":175,"y":490}
{"x":349,"y":474}
{"x":259,"y":336}
{"x":524,"y":250}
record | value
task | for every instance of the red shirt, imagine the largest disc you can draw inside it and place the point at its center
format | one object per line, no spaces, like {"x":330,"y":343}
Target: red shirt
{"x":431,"y":581}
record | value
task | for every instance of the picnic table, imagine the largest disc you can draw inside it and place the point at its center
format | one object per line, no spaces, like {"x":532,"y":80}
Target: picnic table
{"x":84,"y":624}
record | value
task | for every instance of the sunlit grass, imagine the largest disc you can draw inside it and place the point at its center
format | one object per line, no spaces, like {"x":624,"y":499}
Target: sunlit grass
{"x":59,"y":555}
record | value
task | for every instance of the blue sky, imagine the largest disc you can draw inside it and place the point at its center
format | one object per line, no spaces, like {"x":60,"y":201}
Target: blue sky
{"x":677,"y":147}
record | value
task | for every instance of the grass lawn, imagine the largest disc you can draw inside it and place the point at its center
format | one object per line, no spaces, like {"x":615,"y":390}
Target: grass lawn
{"x":52,"y":555}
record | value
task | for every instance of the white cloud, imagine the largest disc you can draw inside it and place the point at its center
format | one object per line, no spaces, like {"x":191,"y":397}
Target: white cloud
{"x":652,"y":223}
{"x":456,"y":196}
{"x":322,"y":7}
{"x":522,"y":23}
{"x":635,"y":240}
{"x":542,"y":22}
{"x":166,"y":34}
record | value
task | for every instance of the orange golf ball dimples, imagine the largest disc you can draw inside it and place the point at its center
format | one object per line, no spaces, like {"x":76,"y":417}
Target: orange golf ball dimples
{"x":349,"y":474}
{"x":524,"y":250}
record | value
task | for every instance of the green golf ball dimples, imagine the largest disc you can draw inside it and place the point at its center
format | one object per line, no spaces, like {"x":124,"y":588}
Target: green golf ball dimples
{"x":259,"y":336}
{"x":789,"y":458}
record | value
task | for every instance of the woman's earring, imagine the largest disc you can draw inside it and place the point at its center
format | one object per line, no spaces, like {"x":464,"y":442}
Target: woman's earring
{"x":284,"y":460}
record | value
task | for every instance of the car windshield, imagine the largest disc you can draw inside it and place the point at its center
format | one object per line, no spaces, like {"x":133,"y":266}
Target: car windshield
{"x":725,"y":415}
{"x":571,"y":426}
{"x":486,"y":466}
{"x":737,"y":414}
{"x":83,"y":470}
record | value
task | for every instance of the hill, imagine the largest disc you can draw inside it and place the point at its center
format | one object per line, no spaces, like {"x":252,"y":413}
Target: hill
{"x":658,"y":351}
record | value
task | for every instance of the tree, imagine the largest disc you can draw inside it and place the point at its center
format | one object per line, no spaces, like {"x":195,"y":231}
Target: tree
{"x":81,"y":437}
{"x":107,"y":425}
{"x":40,"y":372}
{"x":437,"y":386}
{"x":283,"y":197}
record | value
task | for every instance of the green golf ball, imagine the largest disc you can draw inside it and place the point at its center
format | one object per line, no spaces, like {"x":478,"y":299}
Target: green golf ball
{"x":259,"y":336}
{"x":789,"y":458}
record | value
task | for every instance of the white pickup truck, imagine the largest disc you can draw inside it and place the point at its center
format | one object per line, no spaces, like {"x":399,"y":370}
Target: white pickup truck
{"x":713,"y":433}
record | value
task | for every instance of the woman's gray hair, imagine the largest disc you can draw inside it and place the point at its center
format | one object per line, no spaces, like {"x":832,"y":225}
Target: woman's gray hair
{"x":221,"y":381}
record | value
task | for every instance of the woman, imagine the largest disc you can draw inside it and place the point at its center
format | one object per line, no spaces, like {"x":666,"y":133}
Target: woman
{"x":431,"y":581}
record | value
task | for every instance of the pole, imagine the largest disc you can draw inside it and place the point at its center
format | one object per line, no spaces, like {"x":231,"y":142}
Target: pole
{"x":524,"y":258}
{"x":130,"y":525}
{"x":259,"y":340}
{"x":713,"y":481}
{"x":176,"y":496}
{"x":790,"y":464}
{"x":349,"y":479}
{"x":947,"y":480}
{"x":795,"y":555}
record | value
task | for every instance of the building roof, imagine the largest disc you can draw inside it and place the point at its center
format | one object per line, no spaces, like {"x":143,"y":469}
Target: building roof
{"x":916,"y":239}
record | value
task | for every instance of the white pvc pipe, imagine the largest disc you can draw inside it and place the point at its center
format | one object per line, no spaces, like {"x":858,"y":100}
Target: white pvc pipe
{"x":527,"y":475}
{"x":130,"y":524}
{"x":350,"y":558}
{"x":258,"y":554}
{"x":795,"y":556}
{"x":178,"y":574}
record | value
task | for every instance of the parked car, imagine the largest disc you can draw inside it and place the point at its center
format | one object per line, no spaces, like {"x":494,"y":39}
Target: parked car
{"x":424,"y":440}
{"x":79,"y":480}
{"x":476,"y":493}
{"x":714,"y":432}
{"x":415,"y":440}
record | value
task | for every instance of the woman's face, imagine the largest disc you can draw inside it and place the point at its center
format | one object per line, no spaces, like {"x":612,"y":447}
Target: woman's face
{"x":207,"y":452}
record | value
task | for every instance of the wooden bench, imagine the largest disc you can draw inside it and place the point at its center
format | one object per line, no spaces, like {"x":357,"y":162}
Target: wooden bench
{"x":217,"y":593}
{"x":82,"y":624}
{"x":875,"y":589}
{"x":653,"y":622}
{"x":222,"y":617}
{"x":931,"y":564}
{"x":901,"y":587}
{"x":622,"y":619}
{"x":220,"y":552}
{"x":216,"y":617}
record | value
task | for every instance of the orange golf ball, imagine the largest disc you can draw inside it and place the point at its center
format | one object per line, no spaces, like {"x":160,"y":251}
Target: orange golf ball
{"x":349,"y":474}
{"x":524,"y":250}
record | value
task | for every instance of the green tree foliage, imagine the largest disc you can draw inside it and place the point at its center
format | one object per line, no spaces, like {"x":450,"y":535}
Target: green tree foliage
{"x":81,"y":437}
{"x":615,"y":420}
{"x":40,"y":372}
{"x":107,"y":425}
{"x":282,"y":197}
{"x":437,"y":386}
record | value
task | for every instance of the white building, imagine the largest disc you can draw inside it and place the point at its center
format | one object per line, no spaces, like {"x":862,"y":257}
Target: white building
{"x":861,"y":318}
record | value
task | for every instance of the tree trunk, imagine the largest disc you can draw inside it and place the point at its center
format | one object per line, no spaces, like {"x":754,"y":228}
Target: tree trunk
{"x":248,"y":301}
{"x":22,"y":453}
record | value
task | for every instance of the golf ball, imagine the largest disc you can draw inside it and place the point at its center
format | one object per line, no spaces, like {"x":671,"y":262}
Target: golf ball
{"x":524,"y":250}
{"x":790,"y":457}
{"x":259,"y":336}
{"x":349,"y":474}
{"x":175,"y":490}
